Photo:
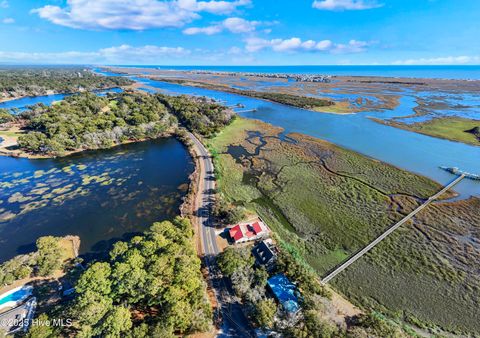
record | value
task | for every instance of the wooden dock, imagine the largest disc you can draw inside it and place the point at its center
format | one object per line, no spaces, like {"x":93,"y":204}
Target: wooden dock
{"x":394,"y":227}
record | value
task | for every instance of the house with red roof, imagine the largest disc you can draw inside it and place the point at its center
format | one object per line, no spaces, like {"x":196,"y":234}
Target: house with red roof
{"x":244,"y":232}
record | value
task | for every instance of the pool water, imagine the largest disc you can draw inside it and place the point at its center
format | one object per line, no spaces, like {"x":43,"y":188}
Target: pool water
{"x":16,"y":296}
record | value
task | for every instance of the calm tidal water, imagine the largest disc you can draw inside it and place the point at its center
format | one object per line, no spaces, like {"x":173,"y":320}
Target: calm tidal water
{"x":100,"y":196}
{"x":22,"y":104}
{"x":411,"y":151}
{"x":106,"y":195}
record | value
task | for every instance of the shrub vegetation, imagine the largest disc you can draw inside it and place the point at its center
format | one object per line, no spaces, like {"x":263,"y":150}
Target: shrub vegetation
{"x":150,"y":284}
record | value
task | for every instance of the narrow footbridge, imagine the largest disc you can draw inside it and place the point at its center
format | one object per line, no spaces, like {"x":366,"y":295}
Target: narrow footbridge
{"x":394,"y":227}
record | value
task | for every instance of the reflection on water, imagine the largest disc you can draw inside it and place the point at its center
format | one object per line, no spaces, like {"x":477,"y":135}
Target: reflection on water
{"x":99,"y":195}
{"x":434,"y":105}
{"x":411,"y":151}
{"x":19,"y":105}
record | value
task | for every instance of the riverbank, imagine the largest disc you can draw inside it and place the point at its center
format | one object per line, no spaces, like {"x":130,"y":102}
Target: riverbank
{"x":68,"y":246}
{"x":351,"y":94}
{"x":449,"y":128}
{"x":9,"y":146}
{"x":326,"y":202}
{"x":303,"y":102}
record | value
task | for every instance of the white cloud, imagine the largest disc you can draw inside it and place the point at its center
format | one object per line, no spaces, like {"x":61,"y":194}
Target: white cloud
{"x":239,"y":25}
{"x":353,"y":46}
{"x":296,"y":44}
{"x":235,"y":51}
{"x":448,"y":60}
{"x":8,"y":20}
{"x":215,"y":7}
{"x":4,"y":4}
{"x":341,"y":5}
{"x":210,"y":30}
{"x":133,"y":14}
{"x":119,"y":54}
{"x":234,"y":25}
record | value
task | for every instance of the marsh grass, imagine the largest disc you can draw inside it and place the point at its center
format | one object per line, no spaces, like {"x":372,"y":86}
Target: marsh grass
{"x":326,"y":202}
{"x":450,"y":128}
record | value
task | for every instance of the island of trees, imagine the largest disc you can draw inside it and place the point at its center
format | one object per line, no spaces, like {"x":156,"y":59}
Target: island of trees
{"x":88,"y":121}
{"x":18,"y":82}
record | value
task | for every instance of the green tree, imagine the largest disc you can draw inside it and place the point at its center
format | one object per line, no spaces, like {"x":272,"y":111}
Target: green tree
{"x":33,"y":141}
{"x":91,"y":307}
{"x":226,"y":212}
{"x":115,"y":323}
{"x":5,"y":116}
{"x":119,"y":248}
{"x":40,"y":328}
{"x":140,"y":331}
{"x":95,"y":279}
{"x":49,"y":257}
{"x":162,"y":330}
{"x":265,"y":311}
{"x":232,"y":259}
{"x":159,"y":270}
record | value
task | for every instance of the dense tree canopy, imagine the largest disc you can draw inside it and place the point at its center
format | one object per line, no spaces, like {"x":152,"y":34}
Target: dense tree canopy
{"x":200,"y":115}
{"x":34,"y":81}
{"x":233,"y":259}
{"x":159,"y":270}
{"x":88,"y":121}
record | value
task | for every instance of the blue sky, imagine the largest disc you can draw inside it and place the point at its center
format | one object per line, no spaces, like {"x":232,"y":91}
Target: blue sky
{"x":231,"y":32}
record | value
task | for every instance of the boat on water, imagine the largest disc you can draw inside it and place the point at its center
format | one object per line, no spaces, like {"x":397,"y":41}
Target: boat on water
{"x":457,"y":171}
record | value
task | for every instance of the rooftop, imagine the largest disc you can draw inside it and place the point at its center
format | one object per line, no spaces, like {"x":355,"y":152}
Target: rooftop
{"x":263,"y":253}
{"x":285,"y":292}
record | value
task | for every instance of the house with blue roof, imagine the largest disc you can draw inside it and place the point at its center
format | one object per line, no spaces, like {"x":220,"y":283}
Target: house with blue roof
{"x":285,"y":292}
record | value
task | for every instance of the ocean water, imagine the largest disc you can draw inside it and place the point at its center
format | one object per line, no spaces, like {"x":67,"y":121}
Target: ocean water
{"x":433,"y":72}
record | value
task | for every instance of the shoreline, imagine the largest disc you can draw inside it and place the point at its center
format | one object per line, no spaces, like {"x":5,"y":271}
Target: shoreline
{"x":234,"y":91}
{"x":339,"y":106}
{"x":132,"y":86}
{"x":285,"y":74}
{"x":31,"y":156}
{"x":406,"y":127}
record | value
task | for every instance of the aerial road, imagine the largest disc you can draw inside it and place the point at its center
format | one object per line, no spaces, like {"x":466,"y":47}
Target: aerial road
{"x":235,"y":322}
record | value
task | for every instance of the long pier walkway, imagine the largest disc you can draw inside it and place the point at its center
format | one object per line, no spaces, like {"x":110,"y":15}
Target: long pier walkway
{"x":394,"y":227}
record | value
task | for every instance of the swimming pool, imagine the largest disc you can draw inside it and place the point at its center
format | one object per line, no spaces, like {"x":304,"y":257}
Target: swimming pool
{"x":13,"y":297}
